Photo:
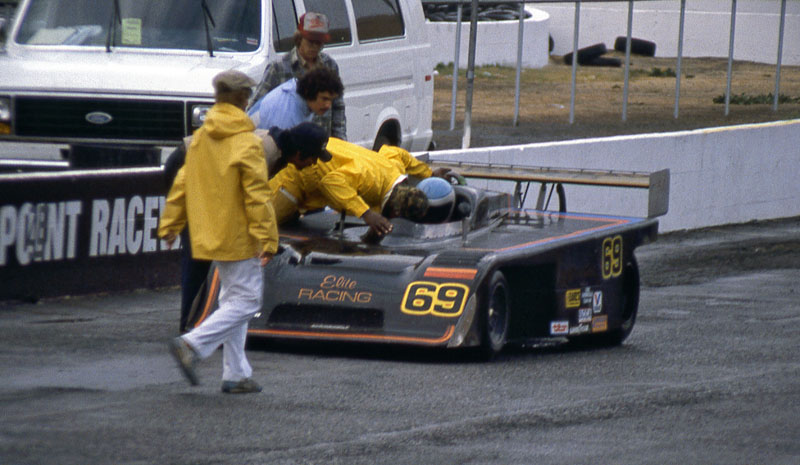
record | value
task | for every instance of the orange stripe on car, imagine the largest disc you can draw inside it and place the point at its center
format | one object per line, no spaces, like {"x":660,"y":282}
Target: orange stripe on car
{"x":210,"y":298}
{"x":451,"y":273}
{"x":355,"y":336}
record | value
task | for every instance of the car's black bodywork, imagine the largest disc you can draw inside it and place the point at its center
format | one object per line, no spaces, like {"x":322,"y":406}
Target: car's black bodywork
{"x":493,"y":274}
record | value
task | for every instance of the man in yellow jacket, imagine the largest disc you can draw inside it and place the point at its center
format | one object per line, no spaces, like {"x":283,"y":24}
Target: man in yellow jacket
{"x":222,"y":193}
{"x":364,"y":183}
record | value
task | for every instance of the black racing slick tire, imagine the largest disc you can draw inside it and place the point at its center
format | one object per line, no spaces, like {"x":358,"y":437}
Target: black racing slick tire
{"x":586,"y":54}
{"x":630,"y":307}
{"x":610,"y":62}
{"x":638,"y":46}
{"x":495,"y":317}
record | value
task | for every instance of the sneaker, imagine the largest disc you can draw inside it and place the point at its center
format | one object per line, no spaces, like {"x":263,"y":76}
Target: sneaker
{"x":186,"y":358}
{"x":244,"y":386}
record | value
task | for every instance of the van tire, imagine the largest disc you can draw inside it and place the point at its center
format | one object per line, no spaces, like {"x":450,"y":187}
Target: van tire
{"x":586,"y":54}
{"x":638,"y":46}
{"x":380,"y":141}
{"x":389,"y":134}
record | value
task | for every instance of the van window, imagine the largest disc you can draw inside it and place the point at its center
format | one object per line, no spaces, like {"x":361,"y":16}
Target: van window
{"x":284,"y":23}
{"x":378,"y":20}
{"x":178,"y":24}
{"x":336,"y":11}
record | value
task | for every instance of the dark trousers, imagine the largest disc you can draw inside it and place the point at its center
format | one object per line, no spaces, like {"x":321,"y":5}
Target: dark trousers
{"x":193,"y":274}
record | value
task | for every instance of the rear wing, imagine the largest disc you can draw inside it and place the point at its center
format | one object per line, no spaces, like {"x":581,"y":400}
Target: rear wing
{"x":656,"y":183}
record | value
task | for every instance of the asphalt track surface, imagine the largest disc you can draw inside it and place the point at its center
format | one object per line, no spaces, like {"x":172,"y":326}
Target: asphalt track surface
{"x":709,"y":375}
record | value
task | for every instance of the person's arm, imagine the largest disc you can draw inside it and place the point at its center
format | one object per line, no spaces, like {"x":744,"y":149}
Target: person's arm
{"x":173,"y":219}
{"x":338,"y":119}
{"x":412,"y":165}
{"x":258,"y":208}
{"x":174,"y":163}
{"x":338,"y":187}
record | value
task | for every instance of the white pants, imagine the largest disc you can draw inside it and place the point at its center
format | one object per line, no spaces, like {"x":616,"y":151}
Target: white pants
{"x":241,"y":285}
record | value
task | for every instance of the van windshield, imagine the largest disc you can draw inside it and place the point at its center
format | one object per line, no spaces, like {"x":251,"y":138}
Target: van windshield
{"x":231,"y":25}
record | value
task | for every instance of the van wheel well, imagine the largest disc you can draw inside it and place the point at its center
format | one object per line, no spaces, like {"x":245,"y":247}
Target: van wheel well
{"x":389,"y":134}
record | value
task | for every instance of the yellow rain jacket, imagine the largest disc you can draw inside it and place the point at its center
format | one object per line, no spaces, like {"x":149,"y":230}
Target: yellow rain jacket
{"x":222,"y":191}
{"x":355,"y":179}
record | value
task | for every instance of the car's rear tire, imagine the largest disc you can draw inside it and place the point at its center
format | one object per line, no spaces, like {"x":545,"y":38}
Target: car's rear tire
{"x":630,"y":307}
{"x":495,"y":317}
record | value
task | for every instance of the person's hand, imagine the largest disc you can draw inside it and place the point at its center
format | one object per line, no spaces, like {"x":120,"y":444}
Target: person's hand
{"x":445,"y":173}
{"x":377,"y":223}
{"x":265,"y":257}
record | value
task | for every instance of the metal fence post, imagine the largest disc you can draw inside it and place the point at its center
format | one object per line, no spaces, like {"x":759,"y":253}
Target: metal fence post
{"x":780,"y":56}
{"x":473,"y":37}
{"x":455,"y":69}
{"x":574,"y":62}
{"x":627,"y":62}
{"x":680,"y":57}
{"x":519,"y":62}
{"x":730,"y":58}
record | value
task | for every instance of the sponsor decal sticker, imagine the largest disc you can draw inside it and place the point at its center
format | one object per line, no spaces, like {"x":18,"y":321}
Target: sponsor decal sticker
{"x":584,"y":315}
{"x":335,"y":288}
{"x":559,"y":328}
{"x":586,"y":296}
{"x":580,"y":329}
{"x":438,"y":299}
{"x":573,"y":298}
{"x":600,"y":324}
{"x":597,"y":301}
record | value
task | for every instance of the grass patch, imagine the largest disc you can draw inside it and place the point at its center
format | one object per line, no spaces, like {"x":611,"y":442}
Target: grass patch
{"x":761,"y":99}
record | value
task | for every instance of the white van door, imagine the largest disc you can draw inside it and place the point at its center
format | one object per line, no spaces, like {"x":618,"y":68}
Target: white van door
{"x":383,"y":54}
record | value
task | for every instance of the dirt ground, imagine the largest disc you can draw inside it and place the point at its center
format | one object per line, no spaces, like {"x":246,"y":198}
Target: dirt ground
{"x":545,"y":100}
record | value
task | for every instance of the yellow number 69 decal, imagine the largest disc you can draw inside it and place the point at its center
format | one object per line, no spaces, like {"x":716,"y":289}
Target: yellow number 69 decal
{"x":612,"y":257}
{"x":438,"y":299}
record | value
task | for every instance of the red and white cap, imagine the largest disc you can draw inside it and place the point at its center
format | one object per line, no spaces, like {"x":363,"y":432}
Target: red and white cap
{"x":314,"y":26}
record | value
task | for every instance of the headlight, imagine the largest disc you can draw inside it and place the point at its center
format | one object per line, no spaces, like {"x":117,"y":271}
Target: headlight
{"x":5,"y":109}
{"x":199,"y":115}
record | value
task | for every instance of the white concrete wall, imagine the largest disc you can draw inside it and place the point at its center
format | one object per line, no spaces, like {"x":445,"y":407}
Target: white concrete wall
{"x":718,"y":175}
{"x":706,"y":33}
{"x":496,"y":41}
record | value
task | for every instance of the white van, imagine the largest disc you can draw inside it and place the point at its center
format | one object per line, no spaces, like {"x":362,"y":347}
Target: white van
{"x":133,"y":74}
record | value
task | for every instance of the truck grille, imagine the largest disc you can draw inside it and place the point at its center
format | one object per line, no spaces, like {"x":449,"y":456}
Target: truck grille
{"x":134,"y":120}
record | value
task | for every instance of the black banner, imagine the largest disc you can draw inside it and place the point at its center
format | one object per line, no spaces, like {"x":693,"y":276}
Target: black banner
{"x":79,"y":232}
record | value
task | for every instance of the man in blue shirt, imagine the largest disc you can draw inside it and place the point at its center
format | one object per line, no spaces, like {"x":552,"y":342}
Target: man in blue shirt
{"x":310,"y":37}
{"x":297,"y":100}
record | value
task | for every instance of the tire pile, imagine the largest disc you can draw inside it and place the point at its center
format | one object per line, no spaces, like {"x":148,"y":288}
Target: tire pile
{"x":449,"y":12}
{"x":593,"y":54}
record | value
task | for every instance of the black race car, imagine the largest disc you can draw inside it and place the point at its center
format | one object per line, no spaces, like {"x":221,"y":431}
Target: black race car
{"x":491,"y":273}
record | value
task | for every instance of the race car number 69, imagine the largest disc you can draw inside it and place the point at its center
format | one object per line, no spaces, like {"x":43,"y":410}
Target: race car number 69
{"x":437,"y":299}
{"x":612,"y":257}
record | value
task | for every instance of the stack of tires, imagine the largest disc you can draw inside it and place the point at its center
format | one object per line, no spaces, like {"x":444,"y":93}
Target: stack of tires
{"x":593,"y":54}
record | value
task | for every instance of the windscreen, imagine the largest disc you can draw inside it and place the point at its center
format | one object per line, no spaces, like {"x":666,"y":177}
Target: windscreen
{"x":231,"y":25}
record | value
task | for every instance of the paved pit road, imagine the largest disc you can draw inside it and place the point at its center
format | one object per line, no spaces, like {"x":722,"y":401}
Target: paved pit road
{"x":709,"y":375}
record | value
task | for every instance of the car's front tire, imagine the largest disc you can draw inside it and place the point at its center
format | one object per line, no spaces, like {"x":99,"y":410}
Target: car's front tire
{"x":494,"y":318}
